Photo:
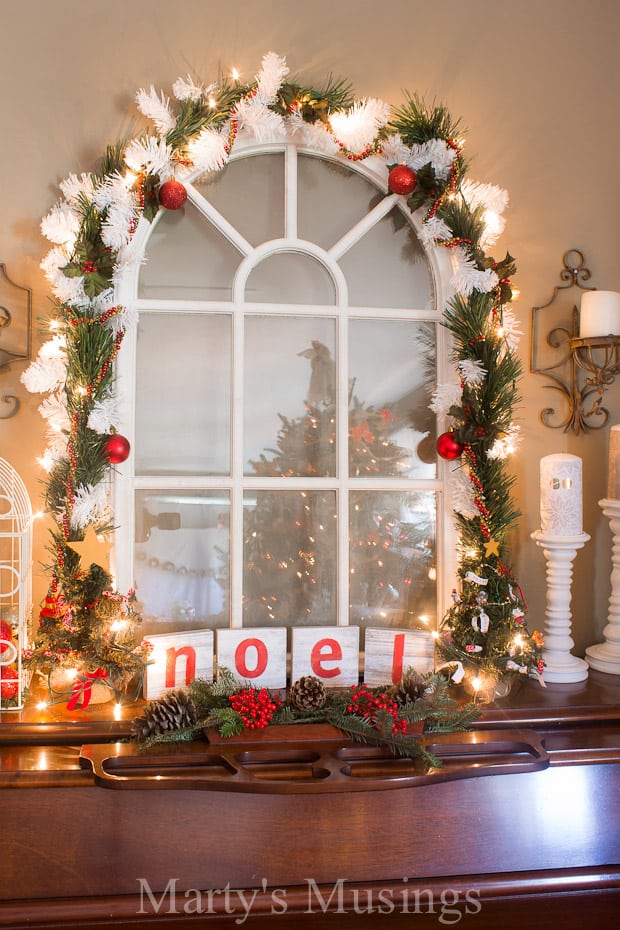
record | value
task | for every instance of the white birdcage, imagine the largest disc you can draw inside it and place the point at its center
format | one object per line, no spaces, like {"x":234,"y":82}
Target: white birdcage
{"x":15,"y":584}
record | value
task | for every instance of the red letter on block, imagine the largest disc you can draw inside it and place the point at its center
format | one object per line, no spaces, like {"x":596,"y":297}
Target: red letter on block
{"x":397,"y":658}
{"x":326,"y":650}
{"x":261,"y":658}
{"x":171,"y":665}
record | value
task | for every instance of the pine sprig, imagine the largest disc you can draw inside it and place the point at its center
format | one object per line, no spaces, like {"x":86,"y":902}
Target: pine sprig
{"x":418,"y":122}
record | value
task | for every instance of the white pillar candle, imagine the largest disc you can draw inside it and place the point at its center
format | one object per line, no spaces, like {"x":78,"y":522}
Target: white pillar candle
{"x":613,"y":474}
{"x":561,"y":496}
{"x":600,"y":314}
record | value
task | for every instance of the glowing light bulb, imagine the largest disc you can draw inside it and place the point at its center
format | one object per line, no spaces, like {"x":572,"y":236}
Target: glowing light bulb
{"x":235,"y":75}
{"x":41,"y":705}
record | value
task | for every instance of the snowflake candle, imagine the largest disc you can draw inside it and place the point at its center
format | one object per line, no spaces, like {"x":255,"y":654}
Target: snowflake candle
{"x":561,"y":495}
{"x":613,"y":474}
{"x":600,"y":314}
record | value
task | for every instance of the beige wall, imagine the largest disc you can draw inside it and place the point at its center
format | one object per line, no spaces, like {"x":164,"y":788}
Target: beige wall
{"x":535,"y":83}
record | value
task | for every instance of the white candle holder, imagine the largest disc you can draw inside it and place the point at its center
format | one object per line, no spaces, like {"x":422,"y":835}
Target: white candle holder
{"x":560,"y":552}
{"x":605,"y":657}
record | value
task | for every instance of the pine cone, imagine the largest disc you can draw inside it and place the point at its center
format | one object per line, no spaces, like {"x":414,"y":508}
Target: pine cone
{"x":308,"y":693}
{"x":174,"y":711}
{"x":409,"y":689}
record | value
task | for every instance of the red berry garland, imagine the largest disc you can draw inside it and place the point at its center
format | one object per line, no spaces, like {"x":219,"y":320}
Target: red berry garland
{"x":402,"y":179}
{"x":367,"y":704}
{"x":172,"y":194}
{"x":256,"y":708}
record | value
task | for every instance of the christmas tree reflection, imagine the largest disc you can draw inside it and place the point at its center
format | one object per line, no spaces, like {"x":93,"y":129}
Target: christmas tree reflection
{"x":290,"y":536}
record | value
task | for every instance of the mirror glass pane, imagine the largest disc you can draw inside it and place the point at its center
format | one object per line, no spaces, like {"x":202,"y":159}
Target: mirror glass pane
{"x":187,"y":258}
{"x":183,"y":375}
{"x":249,"y":193}
{"x":181,"y":559}
{"x":290,"y":278}
{"x":388,"y":268}
{"x":392,"y":550}
{"x":289,"y":385}
{"x":289,"y":558}
{"x":331,"y":199}
{"x":392,"y":366}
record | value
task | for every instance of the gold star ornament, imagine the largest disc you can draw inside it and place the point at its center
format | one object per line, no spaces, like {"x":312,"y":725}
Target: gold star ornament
{"x":491,"y":548}
{"x":92,"y":550}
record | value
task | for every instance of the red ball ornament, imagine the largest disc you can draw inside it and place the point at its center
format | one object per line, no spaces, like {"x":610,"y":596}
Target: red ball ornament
{"x":402,"y":180}
{"x":6,"y":635}
{"x":9,"y":683}
{"x":116,"y":449}
{"x":448,"y":447}
{"x":172,"y":194}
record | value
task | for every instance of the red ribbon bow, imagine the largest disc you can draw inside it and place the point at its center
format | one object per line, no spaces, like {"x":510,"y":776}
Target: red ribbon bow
{"x":83,"y":688}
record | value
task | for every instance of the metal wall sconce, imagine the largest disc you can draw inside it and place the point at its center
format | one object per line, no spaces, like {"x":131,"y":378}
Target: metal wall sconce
{"x":579,"y":357}
{"x":15,"y":338}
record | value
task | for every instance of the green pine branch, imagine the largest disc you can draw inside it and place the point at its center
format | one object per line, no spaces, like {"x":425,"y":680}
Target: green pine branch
{"x":418,"y":122}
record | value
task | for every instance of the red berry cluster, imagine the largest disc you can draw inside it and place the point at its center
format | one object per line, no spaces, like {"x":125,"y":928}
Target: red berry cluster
{"x":366,"y":703}
{"x":255,"y":707}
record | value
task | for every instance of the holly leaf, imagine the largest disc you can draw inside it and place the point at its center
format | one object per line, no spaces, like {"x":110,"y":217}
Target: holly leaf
{"x":416,"y":200}
{"x":72,"y":270}
{"x":151,"y":200}
{"x":95,"y":283}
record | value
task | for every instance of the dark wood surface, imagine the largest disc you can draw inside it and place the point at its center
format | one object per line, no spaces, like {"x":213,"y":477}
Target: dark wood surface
{"x":538,"y":847}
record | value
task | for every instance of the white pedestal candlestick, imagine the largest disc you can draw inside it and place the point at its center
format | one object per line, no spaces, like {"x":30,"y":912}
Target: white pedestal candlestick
{"x":560,"y":551}
{"x":605,"y":657}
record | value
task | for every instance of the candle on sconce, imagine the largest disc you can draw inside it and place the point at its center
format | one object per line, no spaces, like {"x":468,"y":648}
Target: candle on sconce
{"x":561,"y":495}
{"x":613,"y":473}
{"x":599,"y":314}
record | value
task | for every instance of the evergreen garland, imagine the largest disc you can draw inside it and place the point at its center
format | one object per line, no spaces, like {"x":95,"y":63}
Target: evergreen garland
{"x":211,"y":704}
{"x":92,"y":229}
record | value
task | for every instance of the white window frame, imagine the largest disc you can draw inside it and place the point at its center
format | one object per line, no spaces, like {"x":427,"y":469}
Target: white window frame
{"x":126,"y":483}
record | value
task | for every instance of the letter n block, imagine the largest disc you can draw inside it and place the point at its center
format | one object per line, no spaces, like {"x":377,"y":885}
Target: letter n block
{"x":177,"y":659}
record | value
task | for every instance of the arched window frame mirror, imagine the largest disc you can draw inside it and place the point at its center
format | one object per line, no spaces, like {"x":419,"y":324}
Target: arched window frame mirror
{"x":129,"y":483}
